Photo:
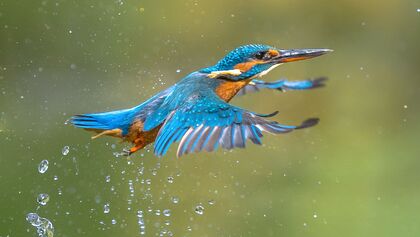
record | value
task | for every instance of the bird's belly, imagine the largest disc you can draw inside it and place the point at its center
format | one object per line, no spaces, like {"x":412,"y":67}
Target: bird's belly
{"x":139,"y":137}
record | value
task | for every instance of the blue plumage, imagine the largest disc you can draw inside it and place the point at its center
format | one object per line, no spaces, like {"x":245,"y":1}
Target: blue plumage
{"x":195,"y":111}
{"x":120,"y":119}
{"x":282,"y":85}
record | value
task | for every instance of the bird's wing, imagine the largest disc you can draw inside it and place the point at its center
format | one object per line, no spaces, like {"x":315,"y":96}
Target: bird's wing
{"x":282,"y":85}
{"x":209,"y":122}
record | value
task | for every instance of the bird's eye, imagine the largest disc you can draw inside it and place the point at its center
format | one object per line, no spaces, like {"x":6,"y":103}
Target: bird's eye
{"x":264,"y":55}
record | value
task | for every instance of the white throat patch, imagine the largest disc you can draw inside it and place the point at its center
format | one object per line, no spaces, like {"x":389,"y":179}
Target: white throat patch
{"x":267,"y":71}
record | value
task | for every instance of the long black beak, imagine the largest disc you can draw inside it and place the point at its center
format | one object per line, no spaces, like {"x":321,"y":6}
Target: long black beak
{"x":292,"y":55}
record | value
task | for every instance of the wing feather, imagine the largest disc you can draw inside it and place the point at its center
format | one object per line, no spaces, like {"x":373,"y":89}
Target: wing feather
{"x":208,"y":122}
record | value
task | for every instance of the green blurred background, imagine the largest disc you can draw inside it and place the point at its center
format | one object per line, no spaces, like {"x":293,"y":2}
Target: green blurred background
{"x":355,"y":174}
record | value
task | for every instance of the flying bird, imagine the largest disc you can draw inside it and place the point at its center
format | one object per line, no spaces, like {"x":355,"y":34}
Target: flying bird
{"x":196,"y":112}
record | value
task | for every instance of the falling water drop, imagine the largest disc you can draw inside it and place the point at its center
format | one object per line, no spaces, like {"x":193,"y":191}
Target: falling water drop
{"x":199,"y":209}
{"x":154,"y":172}
{"x":43,"y":166}
{"x":140,"y":222}
{"x":65,"y":151}
{"x":33,"y":219}
{"x":43,"y":199}
{"x":167,"y":212}
{"x":175,"y":199}
{"x":157,"y":212}
{"x":106,"y":208}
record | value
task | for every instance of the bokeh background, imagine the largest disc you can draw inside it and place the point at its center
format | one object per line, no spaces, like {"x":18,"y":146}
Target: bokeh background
{"x":355,"y":174}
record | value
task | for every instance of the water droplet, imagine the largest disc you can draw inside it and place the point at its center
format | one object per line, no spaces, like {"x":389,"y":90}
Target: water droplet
{"x":170,"y":179}
{"x":65,"y":151}
{"x":43,"y":166}
{"x":212,"y":202}
{"x":157,"y":212}
{"x":131,"y":187}
{"x":140,"y":222}
{"x":315,"y":215}
{"x":108,"y":178}
{"x":43,"y":198}
{"x":199,"y":209}
{"x":44,"y":227}
{"x":178,"y":70}
{"x":189,"y":228}
{"x":113,"y":221}
{"x":175,"y":199}
{"x":418,"y":9}
{"x":166,"y":212}
{"x":55,"y":178}
{"x":405,"y":106}
{"x":33,"y":219}
{"x":106,"y":208}
{"x":154,"y":172}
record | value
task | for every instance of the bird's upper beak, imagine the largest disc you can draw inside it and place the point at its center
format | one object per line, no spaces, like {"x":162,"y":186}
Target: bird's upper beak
{"x":291,"y":55}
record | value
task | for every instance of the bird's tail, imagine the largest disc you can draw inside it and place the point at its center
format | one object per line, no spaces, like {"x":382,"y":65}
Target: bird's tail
{"x":120,"y":119}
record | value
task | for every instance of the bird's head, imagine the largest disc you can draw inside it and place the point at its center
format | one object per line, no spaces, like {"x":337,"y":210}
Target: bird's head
{"x":250,"y":61}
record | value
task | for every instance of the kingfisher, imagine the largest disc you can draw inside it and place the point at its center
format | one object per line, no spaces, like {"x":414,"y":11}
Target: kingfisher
{"x":195,"y":112}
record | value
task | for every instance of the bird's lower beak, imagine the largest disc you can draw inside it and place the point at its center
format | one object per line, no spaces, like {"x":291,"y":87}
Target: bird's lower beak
{"x":292,"y":55}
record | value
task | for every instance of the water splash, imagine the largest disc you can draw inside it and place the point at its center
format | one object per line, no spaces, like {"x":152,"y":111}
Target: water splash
{"x":140,"y":222}
{"x":44,"y":227}
{"x":43,"y":166}
{"x":43,"y":199}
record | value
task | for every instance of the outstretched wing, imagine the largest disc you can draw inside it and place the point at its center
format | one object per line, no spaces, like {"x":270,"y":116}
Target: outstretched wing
{"x":208,"y":122}
{"x":282,"y":85}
